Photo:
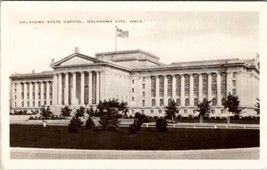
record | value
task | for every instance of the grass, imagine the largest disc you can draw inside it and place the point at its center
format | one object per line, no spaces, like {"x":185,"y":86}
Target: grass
{"x":145,"y":139}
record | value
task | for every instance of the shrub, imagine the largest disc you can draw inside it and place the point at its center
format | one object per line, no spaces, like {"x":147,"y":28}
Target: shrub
{"x":45,"y":112}
{"x":31,"y":118}
{"x":65,"y":111}
{"x":135,"y":127}
{"x":109,"y":121}
{"x":89,"y":124}
{"x":161,"y":125}
{"x":141,"y":117}
{"x":76,"y":122}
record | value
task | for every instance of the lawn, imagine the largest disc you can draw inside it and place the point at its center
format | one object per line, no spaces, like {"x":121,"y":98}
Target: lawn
{"x":146,"y":139}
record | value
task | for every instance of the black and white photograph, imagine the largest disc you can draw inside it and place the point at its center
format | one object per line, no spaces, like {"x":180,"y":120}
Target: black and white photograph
{"x":107,"y":81}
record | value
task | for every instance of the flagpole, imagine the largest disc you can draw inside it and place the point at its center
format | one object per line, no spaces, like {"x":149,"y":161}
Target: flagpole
{"x":116,"y":38}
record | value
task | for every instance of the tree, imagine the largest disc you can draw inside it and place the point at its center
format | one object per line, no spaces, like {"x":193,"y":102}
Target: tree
{"x":257,"y":106}
{"x":203,"y":108}
{"x":76,"y":121}
{"x":171,"y":109}
{"x":231,"y":102}
{"x":45,"y":112}
{"x":65,"y":111}
{"x":161,"y":124}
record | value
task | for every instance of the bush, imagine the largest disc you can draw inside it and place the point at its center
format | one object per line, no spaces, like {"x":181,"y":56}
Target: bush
{"x":89,"y":124}
{"x":135,"y":127}
{"x":161,"y":125}
{"x":45,"y":112}
{"x":31,"y":118}
{"x":76,"y":122}
{"x":141,"y":117}
{"x":65,"y":111}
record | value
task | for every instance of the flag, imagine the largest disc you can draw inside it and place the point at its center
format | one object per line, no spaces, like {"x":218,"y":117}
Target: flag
{"x":121,"y":33}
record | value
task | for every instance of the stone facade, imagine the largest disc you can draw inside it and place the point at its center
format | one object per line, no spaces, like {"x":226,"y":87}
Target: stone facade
{"x":138,"y":78}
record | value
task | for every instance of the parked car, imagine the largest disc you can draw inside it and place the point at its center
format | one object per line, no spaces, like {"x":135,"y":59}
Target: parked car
{"x":194,"y":115}
{"x":183,"y":116}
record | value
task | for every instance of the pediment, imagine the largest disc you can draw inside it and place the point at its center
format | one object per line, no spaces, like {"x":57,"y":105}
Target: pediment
{"x":75,"y":59}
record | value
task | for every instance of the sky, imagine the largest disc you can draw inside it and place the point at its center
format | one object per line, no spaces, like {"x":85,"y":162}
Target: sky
{"x":174,"y":36}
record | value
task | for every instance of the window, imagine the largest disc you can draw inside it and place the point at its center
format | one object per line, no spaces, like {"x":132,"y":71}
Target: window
{"x":161,"y":103}
{"x":161,"y":86}
{"x":213,"y":111}
{"x":144,"y":86}
{"x":195,"y":101}
{"x":152,"y":111}
{"x":160,"y":111}
{"x":214,"y":84}
{"x":196,"y":84}
{"x":234,"y":91}
{"x":187,"y":102}
{"x":223,"y":84}
{"x":132,"y":90}
{"x":39,"y":103}
{"x":15,"y":97}
{"x":15,"y":104}
{"x":28,"y":104}
{"x":186,"y":85}
{"x":132,"y":98}
{"x":44,"y":102}
{"x":143,"y":93}
{"x":178,"y":85}
{"x":234,"y":82}
{"x":178,"y":101}
{"x":22,"y":103}
{"x":214,"y":102}
{"x":143,"y":102}
{"x":142,"y":111}
{"x":234,"y":74}
{"x":50,"y":102}
{"x":153,"y":102}
{"x":144,"y":79}
{"x":185,"y":111}
{"x":153,"y":86}
{"x":33,"y":95}
{"x":223,"y":100}
{"x":205,"y":85}
{"x":169,"y":89}
{"x":132,"y":81}
{"x":132,"y":112}
{"x":33,"y":104}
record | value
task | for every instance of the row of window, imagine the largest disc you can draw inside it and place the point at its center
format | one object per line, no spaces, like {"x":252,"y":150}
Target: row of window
{"x":33,"y":103}
{"x":185,"y":111}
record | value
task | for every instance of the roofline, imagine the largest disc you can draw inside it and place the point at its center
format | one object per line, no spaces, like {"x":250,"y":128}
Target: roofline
{"x":127,"y":51}
{"x":72,"y":55}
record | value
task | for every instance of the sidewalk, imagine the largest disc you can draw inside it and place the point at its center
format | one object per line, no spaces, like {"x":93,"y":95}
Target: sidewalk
{"x":32,"y":153}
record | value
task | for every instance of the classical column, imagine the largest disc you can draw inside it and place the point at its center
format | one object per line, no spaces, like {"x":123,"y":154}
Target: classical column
{"x":54,"y":97}
{"x":30,"y":94}
{"x":60,"y":89}
{"x":97,"y":86}
{"x":209,"y":87}
{"x":191,"y":90}
{"x":200,"y":88}
{"x":82,"y":89}
{"x":48,"y":93}
{"x":90,"y":85}
{"x":66,"y":90}
{"x":173,"y":87}
{"x":36,"y":94}
{"x":73,"y":96}
{"x":42,"y":93}
{"x":165,"y":90}
{"x":157,"y":91}
{"x":219,"y":97}
{"x":182,"y":91}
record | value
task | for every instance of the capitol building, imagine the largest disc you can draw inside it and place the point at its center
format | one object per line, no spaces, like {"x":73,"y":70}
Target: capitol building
{"x":138,"y":78}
